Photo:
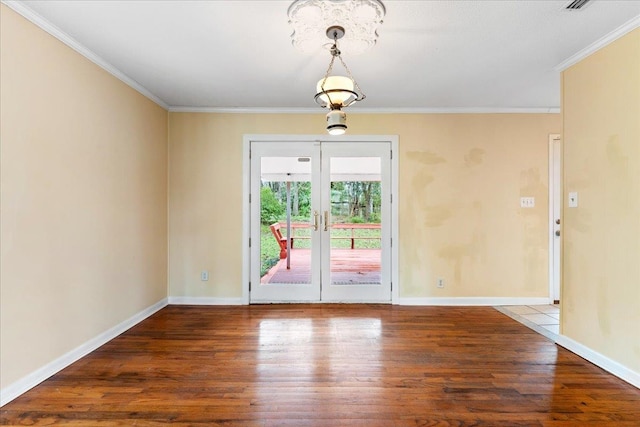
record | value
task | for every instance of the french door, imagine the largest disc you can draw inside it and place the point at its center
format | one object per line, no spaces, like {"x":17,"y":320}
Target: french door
{"x":320,"y":222}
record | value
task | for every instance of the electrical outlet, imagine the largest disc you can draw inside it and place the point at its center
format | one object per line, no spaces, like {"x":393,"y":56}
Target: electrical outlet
{"x":527,"y":202}
{"x":204,"y":275}
{"x":440,"y":283}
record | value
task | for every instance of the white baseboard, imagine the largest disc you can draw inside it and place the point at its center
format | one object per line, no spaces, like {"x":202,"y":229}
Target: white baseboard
{"x":205,"y":301}
{"x":26,"y":383}
{"x":600,"y":360}
{"x":470,"y":301}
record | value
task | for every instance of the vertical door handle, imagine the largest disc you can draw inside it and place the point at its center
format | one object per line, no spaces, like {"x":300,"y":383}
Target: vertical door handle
{"x":315,"y":220}
{"x":326,"y":220}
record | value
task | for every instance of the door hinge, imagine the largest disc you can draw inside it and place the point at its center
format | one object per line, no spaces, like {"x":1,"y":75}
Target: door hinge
{"x":390,"y":198}
{"x":249,"y":241}
{"x":249,"y":197}
{"x":391,"y":242}
{"x":249,"y":286}
{"x":391,"y":155}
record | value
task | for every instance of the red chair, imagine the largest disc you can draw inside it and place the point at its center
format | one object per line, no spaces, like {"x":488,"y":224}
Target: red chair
{"x":282,"y":241}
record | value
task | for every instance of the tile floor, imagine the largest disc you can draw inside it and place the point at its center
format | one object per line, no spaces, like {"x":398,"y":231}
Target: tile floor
{"x":544,"y":319}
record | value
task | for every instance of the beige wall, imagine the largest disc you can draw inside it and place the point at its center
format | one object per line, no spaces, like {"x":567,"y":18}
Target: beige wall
{"x":83,"y":196}
{"x":601,"y":280}
{"x":461,"y":179}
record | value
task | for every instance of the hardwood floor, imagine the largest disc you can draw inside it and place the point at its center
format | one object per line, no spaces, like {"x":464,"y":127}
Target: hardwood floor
{"x":329,"y":365}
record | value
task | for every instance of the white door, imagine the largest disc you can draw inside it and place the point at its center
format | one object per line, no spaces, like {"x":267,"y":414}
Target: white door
{"x":320,"y":222}
{"x":355,"y":257}
{"x":278,"y":272}
{"x":555,"y":215}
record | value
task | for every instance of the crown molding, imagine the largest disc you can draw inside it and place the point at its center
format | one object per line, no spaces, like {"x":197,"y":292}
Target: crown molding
{"x":448,"y":110}
{"x":56,"y":32}
{"x":47,"y":26}
{"x":625,"y":28}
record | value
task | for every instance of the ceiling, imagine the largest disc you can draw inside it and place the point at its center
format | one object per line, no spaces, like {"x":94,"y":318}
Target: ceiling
{"x":431,"y":55}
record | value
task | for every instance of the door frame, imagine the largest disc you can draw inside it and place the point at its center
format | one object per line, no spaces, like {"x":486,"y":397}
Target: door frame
{"x":555,"y":253}
{"x":248,"y":139}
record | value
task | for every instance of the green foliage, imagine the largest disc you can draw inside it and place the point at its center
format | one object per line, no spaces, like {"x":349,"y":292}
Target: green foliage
{"x":300,"y":197}
{"x":356,"y":220}
{"x":304,"y":199}
{"x":270,"y":208}
{"x":269,"y":250}
{"x":356,"y":199}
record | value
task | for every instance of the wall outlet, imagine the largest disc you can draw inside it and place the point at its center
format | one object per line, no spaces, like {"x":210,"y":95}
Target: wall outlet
{"x":440,"y":283}
{"x":527,"y":202}
{"x":204,"y":275}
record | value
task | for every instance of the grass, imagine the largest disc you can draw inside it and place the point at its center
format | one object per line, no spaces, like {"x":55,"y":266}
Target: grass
{"x":269,"y":250}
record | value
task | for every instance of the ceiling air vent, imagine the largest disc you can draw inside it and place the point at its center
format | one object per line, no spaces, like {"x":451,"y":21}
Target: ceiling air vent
{"x":577,"y":4}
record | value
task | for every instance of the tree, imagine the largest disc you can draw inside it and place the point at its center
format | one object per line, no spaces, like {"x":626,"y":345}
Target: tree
{"x":367,"y":200}
{"x":271,"y":210}
{"x":295,"y":199}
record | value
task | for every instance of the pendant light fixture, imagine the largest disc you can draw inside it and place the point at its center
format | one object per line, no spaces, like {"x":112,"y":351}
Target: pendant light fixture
{"x":354,"y":22}
{"x":337,"y":92}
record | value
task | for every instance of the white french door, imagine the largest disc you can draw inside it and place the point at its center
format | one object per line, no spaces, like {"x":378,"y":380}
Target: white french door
{"x":320,"y":222}
{"x":555,"y":216}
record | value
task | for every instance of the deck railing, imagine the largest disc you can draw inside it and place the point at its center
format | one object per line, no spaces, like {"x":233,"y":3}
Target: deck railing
{"x":352,"y":236}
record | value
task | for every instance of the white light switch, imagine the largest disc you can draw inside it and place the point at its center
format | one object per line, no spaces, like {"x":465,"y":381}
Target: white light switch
{"x":204,"y":275}
{"x":527,"y":202}
{"x":573,"y":199}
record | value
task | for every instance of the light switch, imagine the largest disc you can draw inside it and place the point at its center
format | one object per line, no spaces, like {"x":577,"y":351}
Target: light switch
{"x":204,"y":275}
{"x":527,"y":202}
{"x":573,"y":199}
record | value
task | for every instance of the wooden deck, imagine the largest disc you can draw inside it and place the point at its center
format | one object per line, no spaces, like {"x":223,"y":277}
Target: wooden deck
{"x":328,"y":365}
{"x":348,"y":266}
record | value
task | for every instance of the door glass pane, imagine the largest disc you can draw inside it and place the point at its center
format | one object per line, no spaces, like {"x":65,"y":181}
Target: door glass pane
{"x":285,"y":210}
{"x":355,"y":253}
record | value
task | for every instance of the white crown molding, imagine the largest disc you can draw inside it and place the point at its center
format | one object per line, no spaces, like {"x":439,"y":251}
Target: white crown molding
{"x":625,"y":28}
{"x":31,"y":380}
{"x":460,"y":110}
{"x":600,"y":360}
{"x":304,"y":110}
{"x":474,"y":301}
{"x":56,"y":32}
{"x":47,"y":26}
{"x":205,"y":301}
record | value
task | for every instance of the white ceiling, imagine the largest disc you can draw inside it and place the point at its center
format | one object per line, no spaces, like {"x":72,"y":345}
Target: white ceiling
{"x":431,"y":55}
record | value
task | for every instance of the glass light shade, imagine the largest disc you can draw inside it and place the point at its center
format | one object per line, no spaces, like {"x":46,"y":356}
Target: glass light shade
{"x":341,"y":90}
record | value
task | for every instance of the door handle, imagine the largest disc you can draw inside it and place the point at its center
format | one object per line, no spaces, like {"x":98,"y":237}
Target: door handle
{"x":557,"y":233}
{"x":315,"y":220}
{"x":326,"y":220}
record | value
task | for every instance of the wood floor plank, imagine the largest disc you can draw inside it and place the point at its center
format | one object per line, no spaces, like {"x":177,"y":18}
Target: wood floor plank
{"x":329,"y":365}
